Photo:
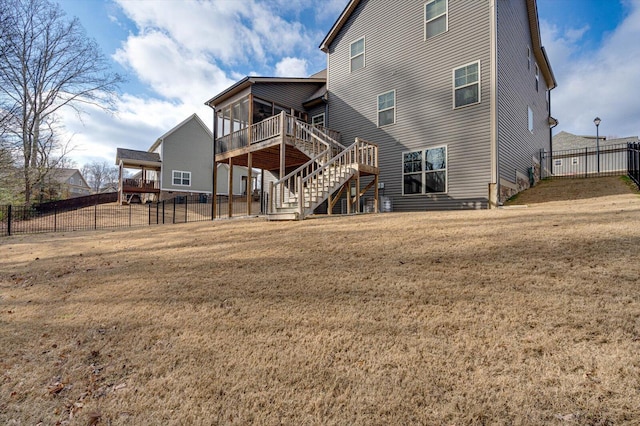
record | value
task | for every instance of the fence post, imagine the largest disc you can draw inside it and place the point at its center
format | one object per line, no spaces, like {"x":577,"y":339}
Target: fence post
{"x":173,"y":220}
{"x":95,"y":216}
{"x":9,"y":220}
{"x":149,"y":214}
{"x":55,"y":218}
{"x":186,"y":205}
{"x":163,"y":212}
{"x":129,"y":214}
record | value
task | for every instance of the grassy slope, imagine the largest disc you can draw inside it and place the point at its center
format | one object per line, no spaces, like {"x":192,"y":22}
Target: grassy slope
{"x":523,"y":316}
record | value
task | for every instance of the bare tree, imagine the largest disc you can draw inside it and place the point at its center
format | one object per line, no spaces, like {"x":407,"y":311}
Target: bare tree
{"x":46,"y":63}
{"x":99,"y":174}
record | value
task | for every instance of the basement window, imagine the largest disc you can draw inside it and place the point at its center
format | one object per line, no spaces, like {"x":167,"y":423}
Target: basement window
{"x":425,"y":171}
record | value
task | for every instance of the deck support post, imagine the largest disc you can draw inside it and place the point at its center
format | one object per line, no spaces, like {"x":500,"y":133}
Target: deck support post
{"x":357,"y":192}
{"x":348,"y":187}
{"x":376,"y":207}
{"x":230,"y":189}
{"x":249,"y":182}
{"x":214,"y":193}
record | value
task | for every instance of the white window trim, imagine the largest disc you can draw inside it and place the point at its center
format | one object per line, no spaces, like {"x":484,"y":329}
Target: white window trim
{"x":364,"y":56}
{"x":424,"y":171}
{"x":182,"y":172}
{"x":316,"y":116}
{"x":530,"y":125}
{"x":453,"y":81}
{"x":537,"y":71}
{"x":446,"y":18}
{"x":378,"y":111}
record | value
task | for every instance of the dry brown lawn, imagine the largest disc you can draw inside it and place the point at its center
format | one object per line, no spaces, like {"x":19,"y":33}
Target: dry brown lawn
{"x":520,"y":316}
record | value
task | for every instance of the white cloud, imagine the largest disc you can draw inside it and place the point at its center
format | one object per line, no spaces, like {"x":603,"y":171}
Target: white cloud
{"x":291,"y":67}
{"x":596,"y":83}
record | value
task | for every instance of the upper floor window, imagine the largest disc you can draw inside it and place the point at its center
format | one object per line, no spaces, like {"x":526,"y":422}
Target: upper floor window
{"x":181,"y":178}
{"x":357,"y":54}
{"x":530,"y":119}
{"x":387,"y":108}
{"x":424,"y":171}
{"x":435,"y":18}
{"x":318,"y":120}
{"x":537,"y":77}
{"x":466,"y":84}
{"x":528,"y":58}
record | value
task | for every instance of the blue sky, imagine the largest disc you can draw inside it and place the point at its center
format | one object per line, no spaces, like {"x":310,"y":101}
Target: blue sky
{"x":178,"y":53}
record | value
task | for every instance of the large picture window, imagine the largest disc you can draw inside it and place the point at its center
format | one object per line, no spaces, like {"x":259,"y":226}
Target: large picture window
{"x":435,"y":18}
{"x":387,"y":108}
{"x":181,"y":178}
{"x":425,"y":171}
{"x":466,"y":85}
{"x":357,"y":54}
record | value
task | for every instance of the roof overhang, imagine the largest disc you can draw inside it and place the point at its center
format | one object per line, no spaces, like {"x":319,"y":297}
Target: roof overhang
{"x":538,"y":51}
{"x":249,"y":81}
{"x":337,"y":26}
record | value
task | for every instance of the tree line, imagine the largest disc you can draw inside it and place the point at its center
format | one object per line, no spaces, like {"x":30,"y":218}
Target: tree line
{"x":47,"y":64}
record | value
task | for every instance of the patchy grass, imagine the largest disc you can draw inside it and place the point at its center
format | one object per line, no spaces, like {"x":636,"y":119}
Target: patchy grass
{"x":522,"y":316}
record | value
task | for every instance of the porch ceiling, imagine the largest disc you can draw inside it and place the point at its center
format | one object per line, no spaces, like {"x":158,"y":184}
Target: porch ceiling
{"x":267,"y":158}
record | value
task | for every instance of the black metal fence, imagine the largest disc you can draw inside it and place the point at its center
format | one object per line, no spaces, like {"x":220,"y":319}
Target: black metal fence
{"x":608,"y":160}
{"x":182,"y":209}
{"x":633,"y":162}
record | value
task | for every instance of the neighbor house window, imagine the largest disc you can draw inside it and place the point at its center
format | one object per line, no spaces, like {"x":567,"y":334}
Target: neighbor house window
{"x":530,"y":118}
{"x":537,"y":77}
{"x":574,"y":161}
{"x":435,"y":18}
{"x":357,"y":54}
{"x":425,"y":171}
{"x":528,"y":58}
{"x":387,"y":108}
{"x":318,"y":120}
{"x":557,"y":162}
{"x":181,"y":178}
{"x":466,"y":84}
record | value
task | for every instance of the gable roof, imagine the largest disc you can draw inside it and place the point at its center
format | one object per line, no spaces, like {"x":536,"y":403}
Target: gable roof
{"x":250,"y":80}
{"x":63,"y":175}
{"x":135,"y":156}
{"x":567,"y":141}
{"x":534,"y":27}
{"x":193,"y":117}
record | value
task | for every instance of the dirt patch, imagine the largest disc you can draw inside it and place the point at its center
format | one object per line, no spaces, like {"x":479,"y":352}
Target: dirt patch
{"x":506,"y":316}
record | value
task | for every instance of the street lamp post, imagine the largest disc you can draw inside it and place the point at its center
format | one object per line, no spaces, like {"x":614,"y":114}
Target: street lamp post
{"x":597,"y":121}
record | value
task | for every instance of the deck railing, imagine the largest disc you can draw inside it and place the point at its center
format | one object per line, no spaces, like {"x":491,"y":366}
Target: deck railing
{"x":272,"y":127}
{"x":130,"y":184}
{"x":314,"y":180}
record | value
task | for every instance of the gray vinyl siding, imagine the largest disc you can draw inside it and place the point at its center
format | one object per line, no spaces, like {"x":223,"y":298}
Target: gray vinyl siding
{"x":516,"y":91}
{"x":398,"y":58}
{"x":189,"y":149}
{"x":290,"y":95}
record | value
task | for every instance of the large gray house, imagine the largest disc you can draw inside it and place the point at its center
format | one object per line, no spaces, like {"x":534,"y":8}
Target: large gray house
{"x":440,"y":104}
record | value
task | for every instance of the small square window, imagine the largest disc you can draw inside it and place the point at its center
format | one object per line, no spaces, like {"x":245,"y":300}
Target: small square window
{"x":357,"y":54}
{"x":435,"y":18}
{"x":181,"y":178}
{"x":387,"y":108}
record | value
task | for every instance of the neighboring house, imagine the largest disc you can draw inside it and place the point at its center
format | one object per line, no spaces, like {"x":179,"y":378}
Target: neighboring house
{"x":454,"y":95}
{"x":179,"y":162}
{"x":575,"y":155}
{"x":66,"y":183}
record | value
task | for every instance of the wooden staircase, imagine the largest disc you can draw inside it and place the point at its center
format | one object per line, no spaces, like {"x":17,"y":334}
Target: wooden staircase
{"x":330,"y":168}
